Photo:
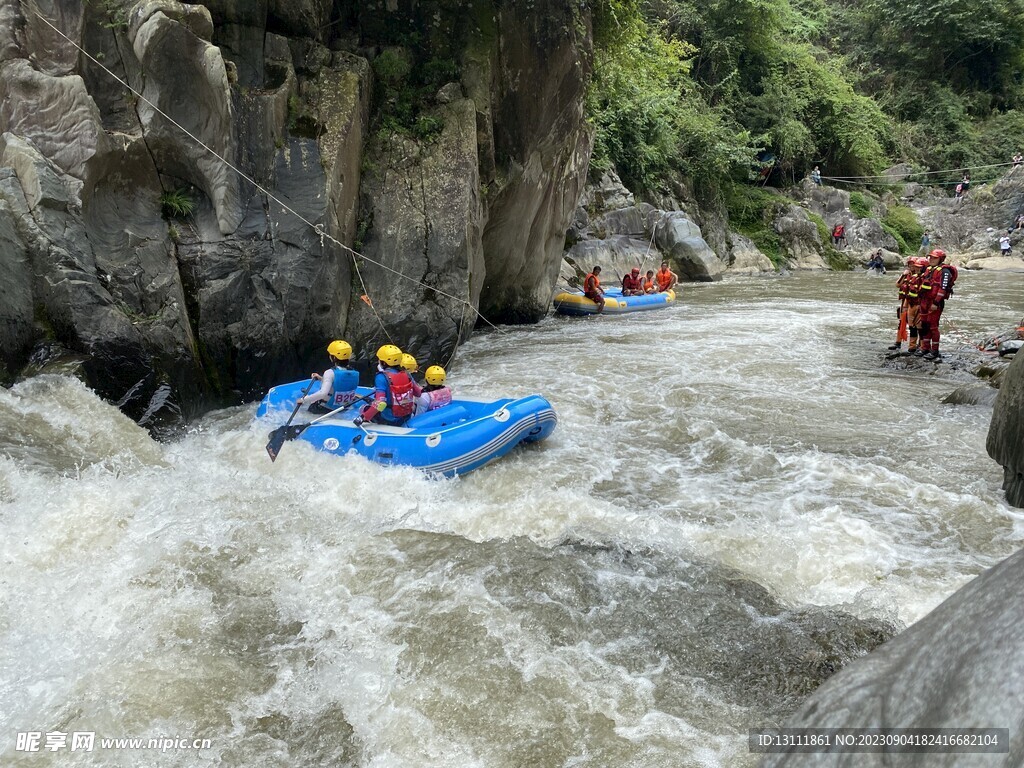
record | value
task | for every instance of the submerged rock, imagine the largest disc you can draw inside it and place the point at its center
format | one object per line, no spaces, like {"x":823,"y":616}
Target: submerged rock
{"x":961,"y":666}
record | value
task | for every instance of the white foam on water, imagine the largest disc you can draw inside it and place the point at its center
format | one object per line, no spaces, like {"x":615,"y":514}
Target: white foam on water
{"x":322,"y":609}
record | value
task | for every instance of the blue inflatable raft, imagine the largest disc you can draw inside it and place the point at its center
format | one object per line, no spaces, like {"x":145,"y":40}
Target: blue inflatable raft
{"x":575,"y":303}
{"x":454,"y":440}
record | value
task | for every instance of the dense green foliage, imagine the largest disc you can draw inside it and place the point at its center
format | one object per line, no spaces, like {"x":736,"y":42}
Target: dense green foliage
{"x":901,"y":222}
{"x":859,"y":205}
{"x":177,"y":203}
{"x":696,"y":86}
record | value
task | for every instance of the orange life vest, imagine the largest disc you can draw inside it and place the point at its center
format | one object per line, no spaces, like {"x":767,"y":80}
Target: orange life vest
{"x":591,"y":284}
{"x":664,"y":279}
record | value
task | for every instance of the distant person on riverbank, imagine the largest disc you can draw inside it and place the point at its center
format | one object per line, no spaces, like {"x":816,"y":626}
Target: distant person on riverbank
{"x":1020,"y":221}
{"x":1018,"y":159}
{"x":649,"y":282}
{"x":816,"y":176}
{"x":839,"y":234}
{"x":666,"y":278}
{"x":925,"y":242}
{"x":966,"y":182}
{"x":936,"y":286}
{"x":877,"y":263}
{"x":337,"y":384}
{"x":1004,"y":245}
{"x":592,"y":288}
{"x":632,"y":284}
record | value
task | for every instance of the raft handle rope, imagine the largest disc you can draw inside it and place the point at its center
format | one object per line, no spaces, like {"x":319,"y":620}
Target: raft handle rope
{"x":315,"y":227}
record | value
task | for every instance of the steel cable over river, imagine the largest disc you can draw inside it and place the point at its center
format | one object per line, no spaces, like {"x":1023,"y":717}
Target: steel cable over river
{"x":739,"y":498}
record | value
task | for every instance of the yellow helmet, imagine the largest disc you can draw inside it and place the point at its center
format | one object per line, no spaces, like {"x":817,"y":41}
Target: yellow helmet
{"x":340,"y":350}
{"x":390,"y":355}
{"x":435,"y":375}
{"x":409,"y":363}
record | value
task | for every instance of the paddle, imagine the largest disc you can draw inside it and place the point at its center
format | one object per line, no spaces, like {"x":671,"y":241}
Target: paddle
{"x":277,"y":436}
{"x":288,"y":432}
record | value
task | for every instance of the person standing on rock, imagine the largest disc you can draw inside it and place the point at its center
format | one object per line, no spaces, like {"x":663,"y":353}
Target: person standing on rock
{"x":337,"y":384}
{"x":1004,"y":245}
{"x":907,"y":288}
{"x":838,"y":234}
{"x":936,"y":286}
{"x":666,"y":278}
{"x":816,"y":176}
{"x":925,"y":242}
{"x":592,"y":288}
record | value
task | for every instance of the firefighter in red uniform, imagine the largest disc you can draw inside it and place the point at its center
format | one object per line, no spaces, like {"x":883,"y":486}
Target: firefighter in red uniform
{"x":936,"y":286}
{"x":592,"y":288}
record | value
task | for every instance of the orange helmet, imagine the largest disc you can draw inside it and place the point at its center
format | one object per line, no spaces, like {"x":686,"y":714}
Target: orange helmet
{"x":939,"y":254}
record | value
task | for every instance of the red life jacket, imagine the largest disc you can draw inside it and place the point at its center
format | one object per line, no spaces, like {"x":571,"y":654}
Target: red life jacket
{"x":630,"y":283}
{"x":839,"y":231}
{"x":403,"y":398}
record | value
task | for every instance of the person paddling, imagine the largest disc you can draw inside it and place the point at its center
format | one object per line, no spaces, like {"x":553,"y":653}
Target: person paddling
{"x":436,"y":394}
{"x":632,"y":284}
{"x":337,"y":384}
{"x":666,"y":278}
{"x":395,"y":393}
{"x":592,"y":288}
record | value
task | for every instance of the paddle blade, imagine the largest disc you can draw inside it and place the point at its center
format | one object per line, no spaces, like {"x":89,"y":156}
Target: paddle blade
{"x":279,"y":436}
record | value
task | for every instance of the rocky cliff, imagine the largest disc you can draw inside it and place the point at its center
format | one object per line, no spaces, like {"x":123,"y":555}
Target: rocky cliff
{"x":444,"y":142}
{"x":1004,"y":435}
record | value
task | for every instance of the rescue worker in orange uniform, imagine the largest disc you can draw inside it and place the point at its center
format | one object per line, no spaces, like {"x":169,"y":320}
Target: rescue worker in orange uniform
{"x":936,"y":286}
{"x":666,"y":278}
{"x":592,"y":288}
{"x":907,"y":287}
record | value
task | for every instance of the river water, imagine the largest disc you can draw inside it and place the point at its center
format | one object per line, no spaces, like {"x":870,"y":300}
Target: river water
{"x":738,"y":499}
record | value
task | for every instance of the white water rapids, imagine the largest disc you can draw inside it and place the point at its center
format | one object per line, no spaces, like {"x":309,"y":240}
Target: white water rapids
{"x":591,"y":601}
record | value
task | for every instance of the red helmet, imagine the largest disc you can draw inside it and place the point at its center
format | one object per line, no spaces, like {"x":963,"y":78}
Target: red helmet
{"x":939,"y":254}
{"x":919,"y":261}
{"x":636,"y":270}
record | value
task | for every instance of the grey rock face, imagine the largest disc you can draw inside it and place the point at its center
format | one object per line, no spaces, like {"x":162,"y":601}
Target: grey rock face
{"x":16,"y":322}
{"x":427,"y":231}
{"x":538,"y":89}
{"x":680,"y":239}
{"x":241,"y":292}
{"x":961,"y":666}
{"x":747,"y":258}
{"x":800,"y":238}
{"x":1004,"y":442}
{"x":186,"y":79}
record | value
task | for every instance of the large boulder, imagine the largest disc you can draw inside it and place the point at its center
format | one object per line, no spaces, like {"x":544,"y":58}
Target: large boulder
{"x":961,"y":666}
{"x":745,"y":258}
{"x":1004,"y":442}
{"x":800,"y":238}
{"x":680,"y":239}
